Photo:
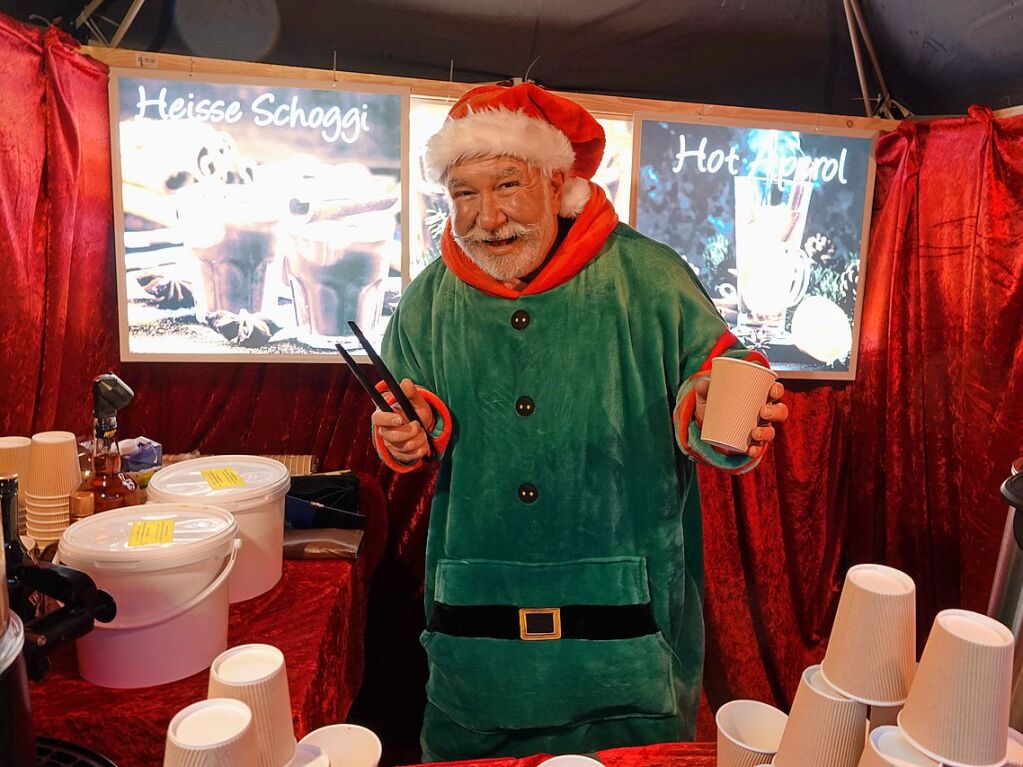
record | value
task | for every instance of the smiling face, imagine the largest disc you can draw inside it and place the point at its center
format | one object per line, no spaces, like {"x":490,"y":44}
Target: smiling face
{"x":503,"y":213}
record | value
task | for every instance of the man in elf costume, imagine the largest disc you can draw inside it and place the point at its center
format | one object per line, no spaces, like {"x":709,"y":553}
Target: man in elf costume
{"x":560,"y":361}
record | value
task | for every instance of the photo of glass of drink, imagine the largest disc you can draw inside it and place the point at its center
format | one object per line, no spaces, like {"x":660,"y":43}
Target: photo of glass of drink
{"x":231,"y":231}
{"x":772,"y":272}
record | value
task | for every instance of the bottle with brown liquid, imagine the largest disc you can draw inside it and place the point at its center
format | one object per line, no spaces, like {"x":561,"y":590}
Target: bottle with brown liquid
{"x":109,"y":487}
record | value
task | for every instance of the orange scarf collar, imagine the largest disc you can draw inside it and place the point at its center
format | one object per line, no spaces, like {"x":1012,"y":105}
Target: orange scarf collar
{"x":583,"y":241}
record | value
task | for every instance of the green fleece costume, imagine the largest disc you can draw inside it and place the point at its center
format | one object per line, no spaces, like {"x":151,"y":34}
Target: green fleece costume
{"x":563,"y":484}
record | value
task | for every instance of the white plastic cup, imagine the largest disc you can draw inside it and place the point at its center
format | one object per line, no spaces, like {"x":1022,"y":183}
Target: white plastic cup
{"x":958,"y":710}
{"x":824,"y":728}
{"x":738,"y":389}
{"x":255,"y":674}
{"x":347,"y":745}
{"x":749,"y":733}
{"x":211,"y":733}
{"x":888,"y":747}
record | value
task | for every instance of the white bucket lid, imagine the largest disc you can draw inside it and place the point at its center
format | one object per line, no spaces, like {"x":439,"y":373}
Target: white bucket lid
{"x":262,"y":479}
{"x":104,"y":540}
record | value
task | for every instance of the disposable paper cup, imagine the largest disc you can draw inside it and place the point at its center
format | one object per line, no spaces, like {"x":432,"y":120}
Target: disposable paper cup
{"x":738,"y":389}
{"x":46,"y":500}
{"x":958,"y":710}
{"x":888,"y":747}
{"x":572,"y":760}
{"x":824,"y":728}
{"x":211,"y":733}
{"x":53,"y":464}
{"x":748,"y":733}
{"x":309,"y":756}
{"x":14,"y":459}
{"x":871,"y":655}
{"x":1014,"y":757}
{"x":255,"y":674}
{"x":347,"y":745}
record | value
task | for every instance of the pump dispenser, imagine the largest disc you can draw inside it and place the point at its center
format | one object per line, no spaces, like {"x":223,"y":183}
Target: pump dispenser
{"x":109,"y":487}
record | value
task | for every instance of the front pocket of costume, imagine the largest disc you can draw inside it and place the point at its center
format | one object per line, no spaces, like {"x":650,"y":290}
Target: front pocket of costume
{"x":490,"y":685}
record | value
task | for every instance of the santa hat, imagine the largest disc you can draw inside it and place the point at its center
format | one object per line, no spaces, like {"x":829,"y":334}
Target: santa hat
{"x":538,"y":127}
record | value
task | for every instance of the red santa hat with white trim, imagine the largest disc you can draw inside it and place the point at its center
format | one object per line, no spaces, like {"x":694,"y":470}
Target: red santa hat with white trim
{"x":524,"y":121}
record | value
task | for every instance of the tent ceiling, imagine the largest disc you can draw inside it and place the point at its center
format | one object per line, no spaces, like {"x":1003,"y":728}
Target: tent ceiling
{"x":939,"y":56}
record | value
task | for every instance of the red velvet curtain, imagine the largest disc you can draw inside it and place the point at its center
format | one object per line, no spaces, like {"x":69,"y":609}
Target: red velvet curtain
{"x":902,"y":466}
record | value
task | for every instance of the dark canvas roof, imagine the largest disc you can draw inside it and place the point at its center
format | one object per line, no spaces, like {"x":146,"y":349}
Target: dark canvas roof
{"x":939,"y":56}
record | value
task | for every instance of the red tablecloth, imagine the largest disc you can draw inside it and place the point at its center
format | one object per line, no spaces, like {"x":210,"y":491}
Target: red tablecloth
{"x":661,"y":755}
{"x":316,"y":616}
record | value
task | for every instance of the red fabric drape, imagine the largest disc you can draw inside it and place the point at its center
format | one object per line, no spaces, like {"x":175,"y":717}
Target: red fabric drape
{"x":902,"y":466}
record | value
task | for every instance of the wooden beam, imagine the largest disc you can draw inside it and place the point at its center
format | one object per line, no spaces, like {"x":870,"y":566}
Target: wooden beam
{"x":610,"y":106}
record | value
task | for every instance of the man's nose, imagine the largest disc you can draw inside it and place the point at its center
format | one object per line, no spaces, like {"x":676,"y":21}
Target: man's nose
{"x":491,"y":215}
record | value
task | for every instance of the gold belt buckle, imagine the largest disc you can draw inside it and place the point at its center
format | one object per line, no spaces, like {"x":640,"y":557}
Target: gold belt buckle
{"x":534,"y":635}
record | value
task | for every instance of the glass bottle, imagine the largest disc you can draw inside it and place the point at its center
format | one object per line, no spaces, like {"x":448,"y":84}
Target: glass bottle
{"x":109,"y":487}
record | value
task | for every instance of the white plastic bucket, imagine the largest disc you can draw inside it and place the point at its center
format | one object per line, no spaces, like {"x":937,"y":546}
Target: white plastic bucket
{"x":171,"y":594}
{"x":257,"y":504}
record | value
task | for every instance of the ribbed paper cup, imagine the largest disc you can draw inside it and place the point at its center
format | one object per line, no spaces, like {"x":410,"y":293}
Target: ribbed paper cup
{"x":958,"y":710}
{"x":256,"y":675}
{"x":14,"y":459}
{"x":871,"y":655}
{"x":53,"y":464}
{"x":748,"y":733}
{"x":211,"y":733}
{"x":888,"y":747}
{"x":738,"y":389}
{"x":1014,"y":756}
{"x":825,"y":727}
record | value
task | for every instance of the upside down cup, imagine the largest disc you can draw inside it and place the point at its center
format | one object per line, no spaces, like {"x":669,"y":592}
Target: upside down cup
{"x":825,"y":728}
{"x":255,"y":674}
{"x":958,"y":710}
{"x":871,"y":655}
{"x":212,"y":733}
{"x":888,"y":747}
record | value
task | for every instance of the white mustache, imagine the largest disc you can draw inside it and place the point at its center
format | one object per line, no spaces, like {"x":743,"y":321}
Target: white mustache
{"x":504,"y":232}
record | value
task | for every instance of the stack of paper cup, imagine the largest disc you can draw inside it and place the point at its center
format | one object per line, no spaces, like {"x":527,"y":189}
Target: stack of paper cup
{"x":748,"y":733}
{"x":738,"y":389}
{"x":887,"y":747}
{"x":14,"y":459}
{"x":212,"y":733}
{"x":958,"y":710}
{"x":871,"y":655}
{"x":346,"y":745}
{"x":53,"y":475}
{"x":255,"y":674}
{"x":824,"y":727}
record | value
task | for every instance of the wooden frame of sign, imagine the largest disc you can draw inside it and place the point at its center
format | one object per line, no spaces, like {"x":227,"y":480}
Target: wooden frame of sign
{"x":867,"y":130}
{"x":142,"y":64}
{"x":221,"y":113}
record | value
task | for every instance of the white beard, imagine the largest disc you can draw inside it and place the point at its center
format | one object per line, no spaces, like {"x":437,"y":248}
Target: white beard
{"x":514,"y":265}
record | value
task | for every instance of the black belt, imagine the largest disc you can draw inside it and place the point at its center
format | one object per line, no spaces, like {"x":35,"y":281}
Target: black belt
{"x":568,"y":622}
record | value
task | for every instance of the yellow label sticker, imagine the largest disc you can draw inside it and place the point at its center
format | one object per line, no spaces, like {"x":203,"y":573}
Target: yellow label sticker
{"x":149,"y":531}
{"x":218,"y":479}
